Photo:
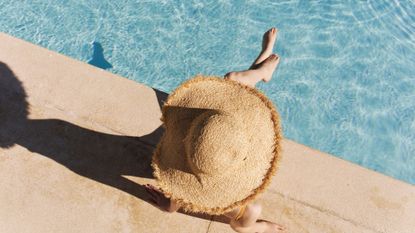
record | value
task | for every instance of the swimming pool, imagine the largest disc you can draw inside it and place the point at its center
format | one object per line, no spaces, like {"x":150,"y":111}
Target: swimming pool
{"x":346,"y":81}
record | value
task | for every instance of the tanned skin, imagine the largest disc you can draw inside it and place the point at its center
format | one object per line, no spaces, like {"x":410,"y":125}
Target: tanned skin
{"x":261,"y":70}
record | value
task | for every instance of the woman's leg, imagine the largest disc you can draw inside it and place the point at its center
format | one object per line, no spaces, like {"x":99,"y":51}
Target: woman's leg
{"x":263,"y":67}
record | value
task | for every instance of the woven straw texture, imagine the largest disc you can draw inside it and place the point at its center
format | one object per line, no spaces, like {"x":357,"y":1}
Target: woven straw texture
{"x":221,"y":145}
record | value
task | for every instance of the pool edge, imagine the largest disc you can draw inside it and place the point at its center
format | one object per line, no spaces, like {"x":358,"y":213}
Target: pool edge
{"x":346,"y":197}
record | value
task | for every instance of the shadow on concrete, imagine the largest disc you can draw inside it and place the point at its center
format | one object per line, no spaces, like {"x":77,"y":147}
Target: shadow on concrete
{"x":96,"y":155}
{"x":99,"y":156}
{"x":98,"y":58}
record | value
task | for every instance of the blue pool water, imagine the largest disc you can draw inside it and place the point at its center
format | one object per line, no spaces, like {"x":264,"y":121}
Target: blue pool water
{"x":346,"y":81}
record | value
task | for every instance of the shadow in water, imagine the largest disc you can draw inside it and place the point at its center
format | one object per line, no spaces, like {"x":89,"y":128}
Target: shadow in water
{"x":102,"y":157}
{"x":98,"y":58}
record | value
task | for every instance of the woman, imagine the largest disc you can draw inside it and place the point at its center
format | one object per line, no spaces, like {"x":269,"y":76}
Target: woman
{"x":243,"y":214}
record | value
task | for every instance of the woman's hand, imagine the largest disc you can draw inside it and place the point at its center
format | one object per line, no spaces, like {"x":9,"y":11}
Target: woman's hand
{"x":158,"y":199}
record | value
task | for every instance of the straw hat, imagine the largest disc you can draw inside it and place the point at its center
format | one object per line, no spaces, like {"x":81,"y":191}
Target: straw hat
{"x":221,"y":145}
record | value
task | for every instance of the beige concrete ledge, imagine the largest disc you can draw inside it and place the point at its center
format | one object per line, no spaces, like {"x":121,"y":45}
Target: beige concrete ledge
{"x":75,"y":146}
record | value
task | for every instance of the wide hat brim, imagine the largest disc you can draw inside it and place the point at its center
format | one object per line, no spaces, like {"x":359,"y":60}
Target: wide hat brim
{"x":219,"y":194}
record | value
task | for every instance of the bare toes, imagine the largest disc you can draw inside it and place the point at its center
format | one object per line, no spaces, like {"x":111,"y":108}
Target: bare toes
{"x":273,"y":227}
{"x":268,"y":66}
{"x":271,"y":62}
{"x":273,"y":57}
{"x":273,"y":31}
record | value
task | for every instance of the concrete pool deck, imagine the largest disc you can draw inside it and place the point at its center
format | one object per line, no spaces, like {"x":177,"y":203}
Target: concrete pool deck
{"x":75,"y":147}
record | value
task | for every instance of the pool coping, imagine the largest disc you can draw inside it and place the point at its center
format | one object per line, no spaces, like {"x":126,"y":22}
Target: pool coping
{"x":311,"y":192}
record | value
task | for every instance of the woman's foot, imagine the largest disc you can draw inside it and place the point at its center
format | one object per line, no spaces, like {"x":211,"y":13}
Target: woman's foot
{"x":263,"y":67}
{"x":251,"y":77}
{"x":249,"y":222}
{"x":270,"y":227}
{"x":268,"y":66}
{"x":268,"y":41}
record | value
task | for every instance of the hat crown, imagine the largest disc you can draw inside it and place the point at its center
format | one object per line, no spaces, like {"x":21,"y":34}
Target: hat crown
{"x":215,"y":143}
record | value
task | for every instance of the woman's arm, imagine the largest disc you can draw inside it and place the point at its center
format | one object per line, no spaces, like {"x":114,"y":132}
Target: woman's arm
{"x":158,"y":199}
